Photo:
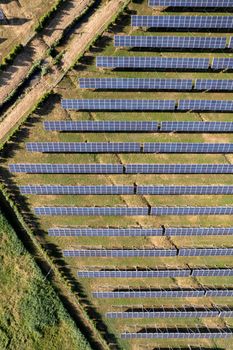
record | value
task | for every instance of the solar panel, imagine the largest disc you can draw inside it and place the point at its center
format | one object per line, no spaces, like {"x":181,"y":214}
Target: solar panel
{"x":179,"y":334}
{"x":2,"y":16}
{"x":179,"y":169}
{"x":76,"y":190}
{"x":183,"y":22}
{"x":91,"y":211}
{"x":231,"y":43}
{"x":83,"y":147}
{"x":135,"y":273}
{"x":196,"y":127}
{"x":219,"y":293}
{"x":66,"y":168}
{"x":183,"y":190}
{"x":120,"y":253}
{"x":191,"y":3}
{"x":105,"y":232}
{"x":222,"y":63}
{"x":188,"y":42}
{"x":101,"y":126}
{"x":151,"y":294}
{"x":191,"y":211}
{"x":118,"y":105}
{"x":152,"y":62}
{"x":198,"y":231}
{"x":205,"y":252}
{"x":219,"y":84}
{"x":173,"y":147}
{"x":135,"y":84}
{"x":165,"y":314}
{"x":212,"y":272}
{"x":206,"y":105}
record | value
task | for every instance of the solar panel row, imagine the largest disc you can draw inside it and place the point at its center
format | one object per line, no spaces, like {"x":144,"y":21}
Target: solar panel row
{"x":132,"y":211}
{"x":45,"y":168}
{"x":128,"y":147}
{"x":176,"y":63}
{"x":183,"y":22}
{"x":179,"y":334}
{"x":192,"y":3}
{"x":140,"y":126}
{"x":148,"y":105}
{"x":155,"y":84}
{"x":192,"y":293}
{"x":171,"y":42}
{"x":2,"y":16}
{"x":139,"y":232}
{"x":222,"y":272}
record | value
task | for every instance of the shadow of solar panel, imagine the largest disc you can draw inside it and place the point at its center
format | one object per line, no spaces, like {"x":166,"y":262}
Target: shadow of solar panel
{"x":118,"y":105}
{"x":127,"y":253}
{"x":66,"y":168}
{"x":136,"y":62}
{"x":191,"y":3}
{"x":187,"y":147}
{"x":192,"y":211}
{"x":170,"y":42}
{"x":206,"y":105}
{"x":184,"y":190}
{"x":76,"y":190}
{"x":212,"y":272}
{"x":83,"y":147}
{"x":179,"y":169}
{"x":92,"y":211}
{"x":135,"y":84}
{"x":164,"y":314}
{"x":219,"y":293}
{"x":196,"y":126}
{"x":151,"y":294}
{"x":183,"y":22}
{"x":101,"y":126}
{"x":222,"y":63}
{"x":105,"y":232}
{"x":205,"y":252}
{"x":198,"y":231}
{"x":135,"y":273}
{"x":166,"y":333}
{"x":219,"y":84}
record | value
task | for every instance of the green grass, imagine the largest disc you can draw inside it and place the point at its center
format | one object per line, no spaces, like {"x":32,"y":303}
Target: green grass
{"x":32,"y":316}
{"x":33,"y":129}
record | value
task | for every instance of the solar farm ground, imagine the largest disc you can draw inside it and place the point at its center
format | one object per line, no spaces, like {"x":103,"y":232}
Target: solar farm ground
{"x":32,"y":131}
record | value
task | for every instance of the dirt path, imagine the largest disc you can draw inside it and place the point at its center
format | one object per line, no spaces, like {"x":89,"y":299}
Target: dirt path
{"x":83,"y":36}
{"x":37,"y":47}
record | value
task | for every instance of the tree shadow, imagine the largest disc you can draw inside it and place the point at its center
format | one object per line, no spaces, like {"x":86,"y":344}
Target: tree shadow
{"x":84,"y":62}
{"x":100,"y":44}
{"x":121,"y":21}
{"x":15,"y":21}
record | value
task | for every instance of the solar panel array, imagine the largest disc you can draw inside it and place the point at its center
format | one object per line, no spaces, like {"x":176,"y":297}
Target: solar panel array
{"x":119,"y":253}
{"x":140,"y":232}
{"x":222,"y":63}
{"x":118,"y":105}
{"x":151,"y":294}
{"x":124,"y":189}
{"x":219,"y":84}
{"x":106,"y":232}
{"x":135,"y":83}
{"x":179,"y":334}
{"x":84,"y":147}
{"x":223,"y":272}
{"x":205,"y":252}
{"x":176,"y":313}
{"x":176,"y":22}
{"x":206,"y":105}
{"x":219,"y":293}
{"x":92,"y":211}
{"x":152,"y":62}
{"x":191,"y":211}
{"x":46,"y":168}
{"x":107,"y":126}
{"x":191,"y":3}
{"x":135,"y":273}
{"x":196,"y":127}
{"x":169,"y":42}
{"x":120,"y":169}
{"x":173,"y":147}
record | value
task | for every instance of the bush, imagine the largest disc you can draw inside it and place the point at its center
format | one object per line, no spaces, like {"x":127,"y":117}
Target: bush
{"x":45,"y":18}
{"x":11,"y":56}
